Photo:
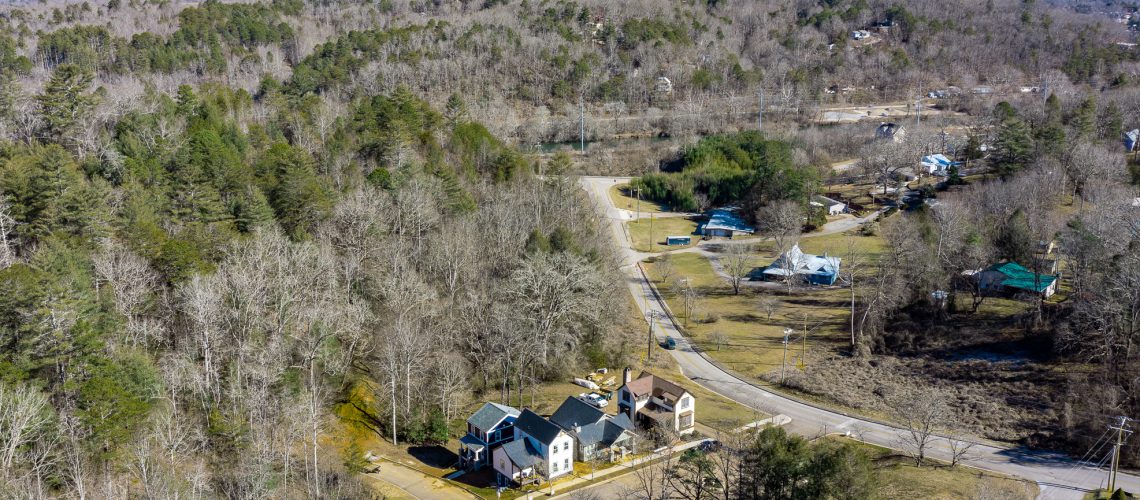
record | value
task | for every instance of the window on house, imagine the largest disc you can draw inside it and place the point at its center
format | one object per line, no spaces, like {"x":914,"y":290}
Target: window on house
{"x":684,"y":403}
{"x":554,"y":449}
{"x":566,"y":464}
{"x":686,"y":421}
{"x":555,"y":464}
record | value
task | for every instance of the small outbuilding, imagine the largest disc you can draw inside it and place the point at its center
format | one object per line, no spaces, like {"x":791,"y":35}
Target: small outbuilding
{"x":938,"y":164}
{"x":1011,"y":278}
{"x":832,"y":207}
{"x":1131,"y":139}
{"x":724,"y":223}
{"x":889,"y":131}
{"x":678,"y":240}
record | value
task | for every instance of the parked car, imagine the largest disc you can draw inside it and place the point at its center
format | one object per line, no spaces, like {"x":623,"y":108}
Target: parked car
{"x":710,"y":446}
{"x":594,"y":399}
{"x":670,"y":343}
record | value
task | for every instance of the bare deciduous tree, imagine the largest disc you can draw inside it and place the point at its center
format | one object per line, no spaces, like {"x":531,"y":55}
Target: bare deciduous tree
{"x":921,"y":414}
{"x":23,"y":419}
{"x":738,"y":263}
{"x":769,"y":305}
{"x":718,"y":338}
{"x":782,"y":221}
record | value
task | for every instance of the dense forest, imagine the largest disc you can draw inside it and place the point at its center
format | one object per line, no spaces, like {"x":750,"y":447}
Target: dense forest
{"x":522,"y":66}
{"x":219,"y":222}
{"x":188,"y":288}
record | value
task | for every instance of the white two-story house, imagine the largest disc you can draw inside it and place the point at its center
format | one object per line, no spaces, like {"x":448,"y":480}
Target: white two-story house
{"x":540,"y":451}
{"x":650,"y":399}
{"x":491,"y":426}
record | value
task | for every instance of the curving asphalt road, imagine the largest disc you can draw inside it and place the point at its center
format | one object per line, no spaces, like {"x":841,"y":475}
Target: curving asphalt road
{"x":1057,"y":475}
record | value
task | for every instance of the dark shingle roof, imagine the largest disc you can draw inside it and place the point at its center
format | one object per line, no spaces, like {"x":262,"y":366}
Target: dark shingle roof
{"x":590,"y":425}
{"x":491,"y":414}
{"x":537,"y":427}
{"x":521,"y":453}
{"x":574,"y":412}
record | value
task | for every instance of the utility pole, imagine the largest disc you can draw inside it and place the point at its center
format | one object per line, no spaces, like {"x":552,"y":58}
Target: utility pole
{"x":649,"y":347}
{"x":784,"y":364}
{"x":1122,"y":430}
{"x":582,"y":123}
{"x":637,"y":216}
{"x":918,"y":112}
{"x":760,"y":114}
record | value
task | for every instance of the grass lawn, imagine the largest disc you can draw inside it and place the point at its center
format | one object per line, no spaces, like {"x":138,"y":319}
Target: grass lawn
{"x":661,"y":227}
{"x":1104,"y":495}
{"x":621,"y":198}
{"x":713,"y":410}
{"x":754,"y":343}
{"x":900,"y":478}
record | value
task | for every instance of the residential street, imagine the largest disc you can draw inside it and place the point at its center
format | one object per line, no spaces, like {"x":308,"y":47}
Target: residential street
{"x":1058,"y":476}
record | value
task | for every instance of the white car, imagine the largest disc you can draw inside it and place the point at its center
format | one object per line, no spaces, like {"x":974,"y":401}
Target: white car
{"x":594,"y":399}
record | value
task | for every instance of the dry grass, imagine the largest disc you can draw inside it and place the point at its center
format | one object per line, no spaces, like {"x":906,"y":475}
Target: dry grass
{"x":659,"y":228}
{"x":754,"y":343}
{"x":619,"y":194}
{"x":996,"y":388}
{"x":900,"y":478}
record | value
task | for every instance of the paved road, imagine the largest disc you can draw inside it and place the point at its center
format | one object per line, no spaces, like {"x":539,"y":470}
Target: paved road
{"x":1058,"y":476}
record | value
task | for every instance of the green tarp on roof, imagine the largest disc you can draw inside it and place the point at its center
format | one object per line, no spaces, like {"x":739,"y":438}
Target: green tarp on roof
{"x":1021,"y":278}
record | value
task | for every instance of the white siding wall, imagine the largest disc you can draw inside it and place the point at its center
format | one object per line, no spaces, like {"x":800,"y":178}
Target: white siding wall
{"x":564,"y":456}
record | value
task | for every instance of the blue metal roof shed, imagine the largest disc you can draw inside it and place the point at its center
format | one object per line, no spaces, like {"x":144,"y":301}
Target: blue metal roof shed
{"x":724,"y":222}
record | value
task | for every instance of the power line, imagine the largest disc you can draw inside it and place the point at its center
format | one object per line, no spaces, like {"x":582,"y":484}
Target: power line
{"x":1069,"y":475}
{"x":1122,"y":431}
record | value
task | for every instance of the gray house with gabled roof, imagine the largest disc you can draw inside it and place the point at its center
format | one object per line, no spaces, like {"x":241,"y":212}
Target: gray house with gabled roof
{"x":539,"y":448}
{"x":487,"y":428}
{"x":596,"y":435}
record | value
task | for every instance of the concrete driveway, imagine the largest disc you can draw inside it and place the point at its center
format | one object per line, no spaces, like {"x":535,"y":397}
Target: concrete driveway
{"x":415,"y":484}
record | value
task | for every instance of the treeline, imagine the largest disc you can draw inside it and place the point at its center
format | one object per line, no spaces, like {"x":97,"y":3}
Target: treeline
{"x":744,"y":169}
{"x":551,"y":53}
{"x":189,"y":288}
{"x":206,"y":38}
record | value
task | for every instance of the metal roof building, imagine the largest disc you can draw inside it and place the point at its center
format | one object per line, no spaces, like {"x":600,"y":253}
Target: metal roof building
{"x":724,"y":222}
